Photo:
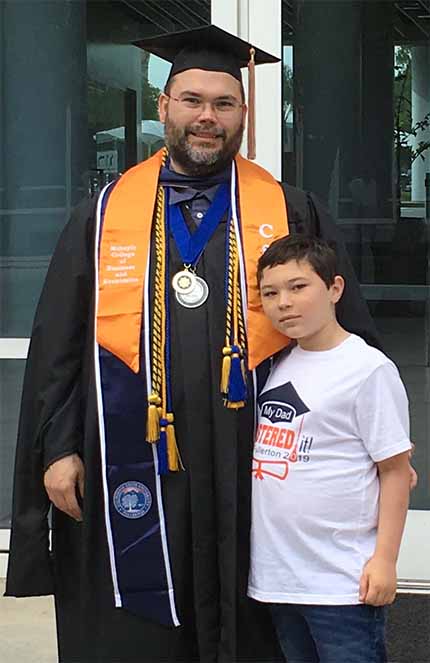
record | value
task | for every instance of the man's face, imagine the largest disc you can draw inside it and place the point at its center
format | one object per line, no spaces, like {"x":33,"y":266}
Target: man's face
{"x":204,"y":119}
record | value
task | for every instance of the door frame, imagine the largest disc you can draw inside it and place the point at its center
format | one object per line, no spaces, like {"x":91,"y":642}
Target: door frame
{"x":261,"y":23}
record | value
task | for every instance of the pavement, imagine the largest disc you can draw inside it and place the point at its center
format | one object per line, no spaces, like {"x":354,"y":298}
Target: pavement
{"x":27,"y":629}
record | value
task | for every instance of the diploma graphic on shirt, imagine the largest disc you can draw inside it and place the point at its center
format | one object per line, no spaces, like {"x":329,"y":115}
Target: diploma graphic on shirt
{"x":280,"y":422}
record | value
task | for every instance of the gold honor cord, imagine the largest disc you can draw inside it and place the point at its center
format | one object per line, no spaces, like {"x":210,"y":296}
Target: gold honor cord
{"x":160,"y":423}
{"x":233,"y":363}
{"x":157,"y":346}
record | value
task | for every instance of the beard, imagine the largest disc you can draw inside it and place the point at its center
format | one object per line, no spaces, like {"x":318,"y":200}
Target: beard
{"x":196,"y":160}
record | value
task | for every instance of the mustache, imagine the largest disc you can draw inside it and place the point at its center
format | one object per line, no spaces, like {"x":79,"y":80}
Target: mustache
{"x":198,"y":128}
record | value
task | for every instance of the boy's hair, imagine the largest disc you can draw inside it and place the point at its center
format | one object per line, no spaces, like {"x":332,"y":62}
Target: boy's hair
{"x":318,"y":253}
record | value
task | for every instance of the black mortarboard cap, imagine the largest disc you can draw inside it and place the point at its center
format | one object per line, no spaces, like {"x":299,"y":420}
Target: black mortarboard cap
{"x":209,"y":48}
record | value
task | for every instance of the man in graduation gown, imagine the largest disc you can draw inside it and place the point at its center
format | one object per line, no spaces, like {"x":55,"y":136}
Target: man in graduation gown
{"x":149,"y":561}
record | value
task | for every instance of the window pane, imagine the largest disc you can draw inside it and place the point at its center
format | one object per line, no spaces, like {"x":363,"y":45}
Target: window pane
{"x":77,"y":107}
{"x":360,"y":73}
{"x":11,"y":377}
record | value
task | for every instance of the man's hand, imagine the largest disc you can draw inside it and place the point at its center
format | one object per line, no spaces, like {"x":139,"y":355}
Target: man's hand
{"x":378,"y":582}
{"x":62,"y":479}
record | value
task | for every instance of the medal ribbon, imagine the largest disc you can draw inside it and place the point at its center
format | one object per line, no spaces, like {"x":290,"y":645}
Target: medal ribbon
{"x":191,"y":245}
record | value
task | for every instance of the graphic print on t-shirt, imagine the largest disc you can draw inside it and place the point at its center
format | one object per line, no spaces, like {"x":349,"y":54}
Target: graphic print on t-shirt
{"x":279,"y":432}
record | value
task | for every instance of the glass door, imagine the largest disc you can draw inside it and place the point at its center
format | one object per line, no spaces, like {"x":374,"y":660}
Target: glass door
{"x":356,"y":99}
{"x":78,"y":105}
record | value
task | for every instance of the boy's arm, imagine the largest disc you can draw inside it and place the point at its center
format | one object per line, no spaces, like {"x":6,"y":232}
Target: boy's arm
{"x":379,"y":579}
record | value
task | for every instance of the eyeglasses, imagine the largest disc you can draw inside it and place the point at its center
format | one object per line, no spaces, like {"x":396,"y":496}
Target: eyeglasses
{"x":223,"y":106}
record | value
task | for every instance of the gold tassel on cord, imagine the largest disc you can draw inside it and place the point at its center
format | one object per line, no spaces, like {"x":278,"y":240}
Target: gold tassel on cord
{"x":225,"y":370}
{"x":235,"y":405}
{"x":173,"y":456}
{"x":153,"y":419}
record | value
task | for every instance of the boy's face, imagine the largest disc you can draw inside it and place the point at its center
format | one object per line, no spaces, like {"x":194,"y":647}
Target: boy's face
{"x":296,"y":299}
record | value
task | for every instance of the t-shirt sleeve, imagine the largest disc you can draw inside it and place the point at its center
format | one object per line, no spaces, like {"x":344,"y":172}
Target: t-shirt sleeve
{"x":382,"y":412}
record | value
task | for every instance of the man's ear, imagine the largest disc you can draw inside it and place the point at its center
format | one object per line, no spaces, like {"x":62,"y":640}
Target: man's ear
{"x":337,"y":288}
{"x":163,"y":100}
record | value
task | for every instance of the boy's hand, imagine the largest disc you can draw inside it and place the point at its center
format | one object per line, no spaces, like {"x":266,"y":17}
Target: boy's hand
{"x":413,"y":478}
{"x":378,"y":582}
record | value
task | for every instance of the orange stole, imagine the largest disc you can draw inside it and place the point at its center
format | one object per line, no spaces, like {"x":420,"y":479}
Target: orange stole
{"x":263,"y":218}
{"x":124,"y":249}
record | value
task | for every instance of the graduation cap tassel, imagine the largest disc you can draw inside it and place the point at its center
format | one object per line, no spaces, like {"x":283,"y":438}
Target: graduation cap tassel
{"x":251,"y":105}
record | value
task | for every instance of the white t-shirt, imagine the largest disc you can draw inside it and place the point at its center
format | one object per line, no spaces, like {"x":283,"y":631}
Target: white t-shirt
{"x":324,"y":420}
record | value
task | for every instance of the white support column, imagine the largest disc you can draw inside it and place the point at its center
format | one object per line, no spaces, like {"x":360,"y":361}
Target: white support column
{"x":225,"y":14}
{"x":420,"y":108}
{"x":265,"y":31}
{"x":260,"y":23}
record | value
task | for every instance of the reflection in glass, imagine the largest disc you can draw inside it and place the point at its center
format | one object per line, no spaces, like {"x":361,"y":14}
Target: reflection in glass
{"x":360,"y":73}
{"x":78,"y":105}
{"x":75,"y":113}
{"x":43,"y":145}
{"x":117,"y":139}
{"x":287,"y":103}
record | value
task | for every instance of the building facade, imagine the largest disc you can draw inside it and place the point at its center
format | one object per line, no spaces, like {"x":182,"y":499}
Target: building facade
{"x":346,"y":114}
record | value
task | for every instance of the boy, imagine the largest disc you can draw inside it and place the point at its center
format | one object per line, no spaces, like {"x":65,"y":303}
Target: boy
{"x":330,"y":468}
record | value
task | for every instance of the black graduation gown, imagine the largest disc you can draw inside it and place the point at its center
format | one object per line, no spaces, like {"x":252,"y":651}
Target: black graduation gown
{"x":207,"y":506}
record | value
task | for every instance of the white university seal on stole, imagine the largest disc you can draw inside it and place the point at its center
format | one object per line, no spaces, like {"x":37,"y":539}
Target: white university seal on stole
{"x":132,"y":499}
